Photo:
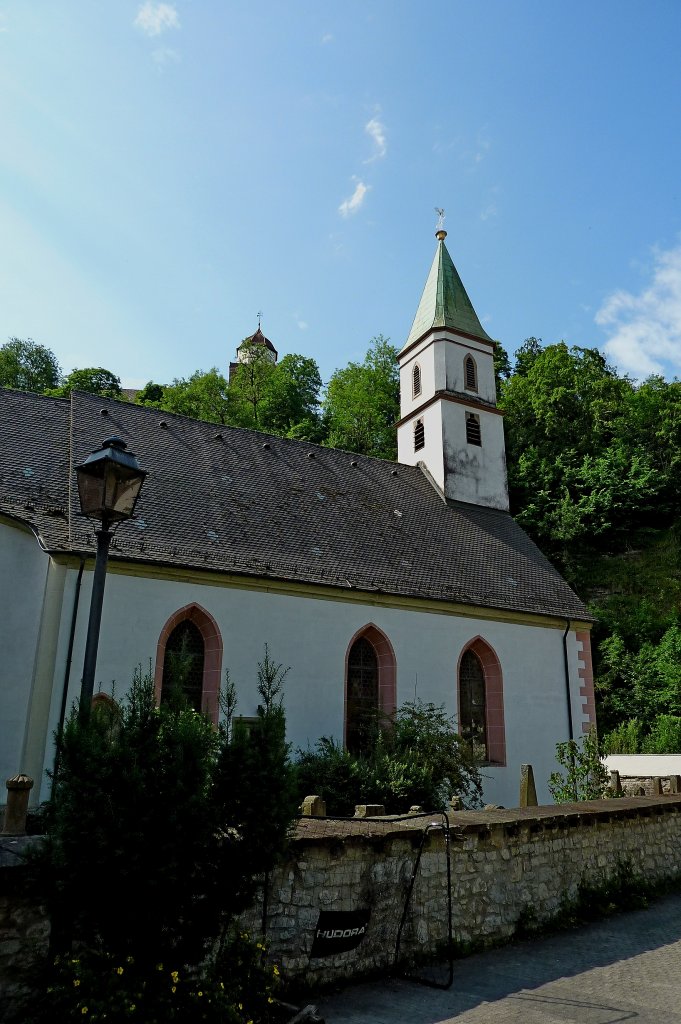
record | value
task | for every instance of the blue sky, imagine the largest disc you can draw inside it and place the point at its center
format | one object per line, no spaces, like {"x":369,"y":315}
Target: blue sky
{"x":169,"y":169}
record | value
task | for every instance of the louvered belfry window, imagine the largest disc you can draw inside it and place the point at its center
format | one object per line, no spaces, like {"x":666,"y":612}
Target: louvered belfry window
{"x":362,"y":697}
{"x":419,"y":436}
{"x":470,"y":374}
{"x":416,"y":380}
{"x":472,"y":704}
{"x":473,"y":435}
{"x":183,"y":666}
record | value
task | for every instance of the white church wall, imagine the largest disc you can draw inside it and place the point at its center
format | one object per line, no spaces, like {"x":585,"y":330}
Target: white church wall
{"x":23,"y":572}
{"x":484,"y":365}
{"x":312,"y":635}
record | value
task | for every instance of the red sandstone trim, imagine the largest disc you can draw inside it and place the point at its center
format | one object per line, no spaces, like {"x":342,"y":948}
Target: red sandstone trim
{"x":212,"y":661}
{"x":387,"y":672}
{"x":494,"y":698}
{"x":586,"y":675}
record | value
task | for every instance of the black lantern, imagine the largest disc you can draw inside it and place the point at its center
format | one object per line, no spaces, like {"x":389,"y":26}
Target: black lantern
{"x":109,"y":483}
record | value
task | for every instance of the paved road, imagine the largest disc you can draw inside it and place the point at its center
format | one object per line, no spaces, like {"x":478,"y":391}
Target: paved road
{"x":626,"y":968}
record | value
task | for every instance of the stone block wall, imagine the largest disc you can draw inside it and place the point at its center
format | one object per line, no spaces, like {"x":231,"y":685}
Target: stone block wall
{"x":505,"y":865}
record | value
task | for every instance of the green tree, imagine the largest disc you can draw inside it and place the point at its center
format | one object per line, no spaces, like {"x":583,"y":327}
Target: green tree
{"x":362,"y":403}
{"x":151,"y":394}
{"x":250,"y":382}
{"x":291,"y":396}
{"x":93,"y":379}
{"x":203,"y":396}
{"x":28,"y":366}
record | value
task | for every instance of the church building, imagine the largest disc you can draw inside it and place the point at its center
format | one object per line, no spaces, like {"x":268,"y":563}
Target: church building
{"x":376,"y":582}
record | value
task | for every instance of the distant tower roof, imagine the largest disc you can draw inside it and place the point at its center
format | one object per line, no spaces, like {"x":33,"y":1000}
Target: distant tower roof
{"x":259,"y":339}
{"x":444,"y":302}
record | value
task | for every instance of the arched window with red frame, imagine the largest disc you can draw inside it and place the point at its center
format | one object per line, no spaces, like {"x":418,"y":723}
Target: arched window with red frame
{"x":370,"y":687}
{"x":480,"y":700}
{"x":189,"y":654}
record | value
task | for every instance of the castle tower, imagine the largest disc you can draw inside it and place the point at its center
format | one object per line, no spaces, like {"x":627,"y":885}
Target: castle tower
{"x":256,"y":346}
{"x":449,"y":421}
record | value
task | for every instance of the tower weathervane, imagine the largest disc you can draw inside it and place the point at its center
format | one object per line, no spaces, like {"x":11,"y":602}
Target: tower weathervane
{"x":259,"y":315}
{"x":440,"y":218}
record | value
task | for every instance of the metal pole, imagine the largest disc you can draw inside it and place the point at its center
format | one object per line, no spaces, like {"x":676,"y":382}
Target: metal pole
{"x":90,"y":662}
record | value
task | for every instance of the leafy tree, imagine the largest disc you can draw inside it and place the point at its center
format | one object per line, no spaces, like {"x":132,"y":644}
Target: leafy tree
{"x":291,"y":396}
{"x":151,"y":394}
{"x":28,"y":366}
{"x":94,"y":379}
{"x":362,"y":403}
{"x":204,"y":396}
{"x":250,"y":382}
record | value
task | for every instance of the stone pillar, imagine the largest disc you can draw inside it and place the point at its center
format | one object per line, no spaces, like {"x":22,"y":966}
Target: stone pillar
{"x":18,"y":791}
{"x":675,"y":783}
{"x":657,"y":786}
{"x":369,"y":810}
{"x":528,"y":792}
{"x":313,"y":807}
{"x":615,"y":784}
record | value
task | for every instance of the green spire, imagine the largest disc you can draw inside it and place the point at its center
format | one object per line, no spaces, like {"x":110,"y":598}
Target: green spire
{"x":444,"y":302}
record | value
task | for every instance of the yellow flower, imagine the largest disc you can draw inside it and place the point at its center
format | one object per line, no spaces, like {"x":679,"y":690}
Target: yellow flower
{"x":199,"y":993}
{"x":159,"y":967}
{"x":119,"y":970}
{"x":76,"y":983}
{"x":175,"y":976}
{"x":270,"y":999}
{"x":132,"y":1007}
{"x":84,"y":1009}
{"x":222,"y":986}
{"x":174,"y":989}
{"x":275,"y":971}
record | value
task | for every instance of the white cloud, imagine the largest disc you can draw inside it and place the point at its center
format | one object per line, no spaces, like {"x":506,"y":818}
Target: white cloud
{"x":350,"y":206}
{"x":154,"y":18}
{"x":301,"y":324}
{"x":644,"y":330}
{"x":490,"y":211}
{"x":376,"y":130}
{"x":326,"y":38}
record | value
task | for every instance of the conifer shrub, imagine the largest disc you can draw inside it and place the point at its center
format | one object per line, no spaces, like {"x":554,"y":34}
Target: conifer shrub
{"x":158,"y":831}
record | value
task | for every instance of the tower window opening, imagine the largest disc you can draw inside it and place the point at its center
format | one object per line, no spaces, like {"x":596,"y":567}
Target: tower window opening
{"x":419,"y":436}
{"x":470,"y":374}
{"x":416,"y":380}
{"x":473,"y":435}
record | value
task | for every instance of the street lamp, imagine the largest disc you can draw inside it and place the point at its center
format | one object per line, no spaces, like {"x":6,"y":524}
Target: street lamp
{"x":109,"y":484}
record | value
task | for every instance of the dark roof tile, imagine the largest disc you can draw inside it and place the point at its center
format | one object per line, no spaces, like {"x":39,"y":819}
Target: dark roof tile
{"x":228,"y":504}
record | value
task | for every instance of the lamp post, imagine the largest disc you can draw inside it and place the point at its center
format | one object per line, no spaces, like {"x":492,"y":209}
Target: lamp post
{"x":109,"y":484}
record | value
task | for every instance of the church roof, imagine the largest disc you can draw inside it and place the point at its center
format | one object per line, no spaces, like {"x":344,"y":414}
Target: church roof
{"x":444,"y":302}
{"x":237,"y":501}
{"x":258,"y":339}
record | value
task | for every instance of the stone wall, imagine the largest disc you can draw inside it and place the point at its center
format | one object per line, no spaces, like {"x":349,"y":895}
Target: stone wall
{"x":506,"y":865}
{"x":24,"y":928}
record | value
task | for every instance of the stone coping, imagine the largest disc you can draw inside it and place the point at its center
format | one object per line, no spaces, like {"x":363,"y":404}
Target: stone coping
{"x":310,"y":831}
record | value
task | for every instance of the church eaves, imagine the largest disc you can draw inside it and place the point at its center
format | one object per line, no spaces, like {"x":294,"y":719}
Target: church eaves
{"x":444,"y":302}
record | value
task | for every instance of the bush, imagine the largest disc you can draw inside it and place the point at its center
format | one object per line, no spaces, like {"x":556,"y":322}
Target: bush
{"x":664,"y":737}
{"x":586,"y":777}
{"x":156,"y":833}
{"x":416,"y":758}
{"x":624,"y":739}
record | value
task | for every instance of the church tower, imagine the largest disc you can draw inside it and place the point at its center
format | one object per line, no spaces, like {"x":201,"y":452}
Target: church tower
{"x":449,"y":421}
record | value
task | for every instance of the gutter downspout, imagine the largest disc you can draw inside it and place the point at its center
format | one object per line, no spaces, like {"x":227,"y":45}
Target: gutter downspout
{"x":571,"y":734}
{"x":67,"y":672}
